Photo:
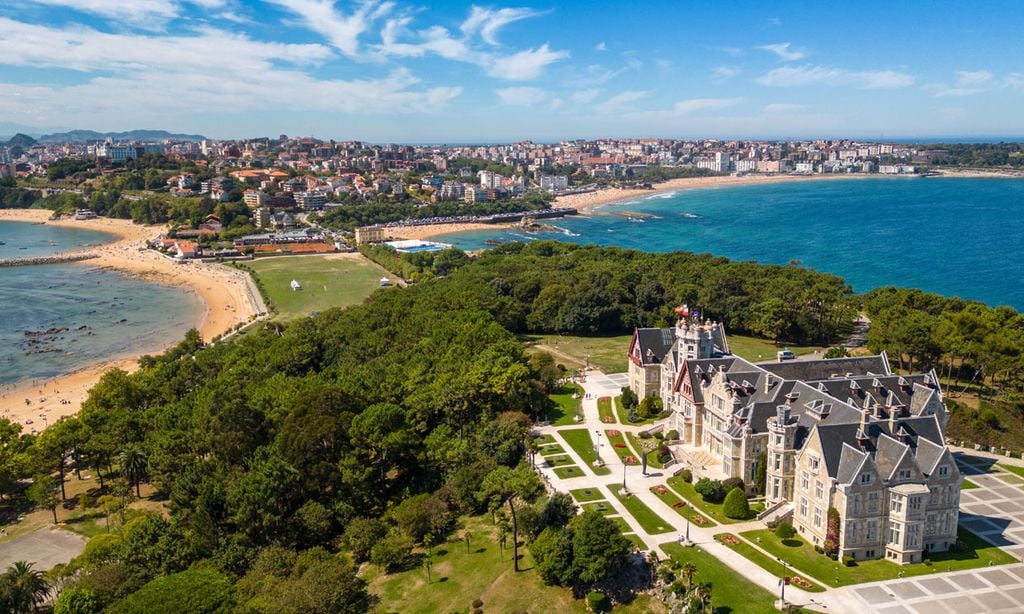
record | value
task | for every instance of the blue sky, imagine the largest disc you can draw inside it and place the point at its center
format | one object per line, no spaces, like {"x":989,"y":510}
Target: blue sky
{"x":455,"y":71}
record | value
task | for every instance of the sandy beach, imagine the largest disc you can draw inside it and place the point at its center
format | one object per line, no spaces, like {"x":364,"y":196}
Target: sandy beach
{"x":228,"y":295}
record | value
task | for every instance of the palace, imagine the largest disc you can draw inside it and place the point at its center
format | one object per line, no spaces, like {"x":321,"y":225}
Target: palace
{"x":845,"y":434}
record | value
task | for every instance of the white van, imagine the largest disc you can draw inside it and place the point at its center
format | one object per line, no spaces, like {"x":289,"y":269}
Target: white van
{"x":785,"y":355}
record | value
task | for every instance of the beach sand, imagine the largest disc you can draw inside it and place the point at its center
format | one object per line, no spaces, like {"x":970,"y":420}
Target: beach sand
{"x":426,"y":231}
{"x":228,"y":295}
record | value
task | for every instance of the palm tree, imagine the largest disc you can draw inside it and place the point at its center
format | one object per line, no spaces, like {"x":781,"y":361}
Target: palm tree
{"x":702,"y":593}
{"x":688,"y":571}
{"x":133,"y":464}
{"x":23,"y":588}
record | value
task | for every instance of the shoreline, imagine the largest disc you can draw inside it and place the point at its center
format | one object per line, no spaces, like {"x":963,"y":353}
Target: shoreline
{"x":226,"y":295}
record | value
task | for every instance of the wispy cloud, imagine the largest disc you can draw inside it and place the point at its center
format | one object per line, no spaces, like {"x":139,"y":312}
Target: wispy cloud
{"x":601,"y":47}
{"x":971,"y":82}
{"x":782,"y":107}
{"x":487,"y":22}
{"x":526,"y":64}
{"x":701,"y":104}
{"x":785,"y":51}
{"x":585,"y":96}
{"x":521,"y":96}
{"x":795,"y":76}
{"x":621,"y":101}
{"x":152,"y":14}
{"x":774,"y":21}
{"x":724,"y":73}
{"x":341,"y":29}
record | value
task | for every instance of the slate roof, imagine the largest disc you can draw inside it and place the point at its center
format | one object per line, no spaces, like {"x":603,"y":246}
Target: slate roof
{"x":814,"y":370}
{"x":883,"y":446}
{"x":654,"y":344}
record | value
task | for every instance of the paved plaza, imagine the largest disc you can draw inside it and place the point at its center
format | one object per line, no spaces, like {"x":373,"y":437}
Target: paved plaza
{"x":44,"y":547}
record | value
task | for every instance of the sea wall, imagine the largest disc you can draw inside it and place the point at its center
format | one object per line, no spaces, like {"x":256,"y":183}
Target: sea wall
{"x":55,"y":259}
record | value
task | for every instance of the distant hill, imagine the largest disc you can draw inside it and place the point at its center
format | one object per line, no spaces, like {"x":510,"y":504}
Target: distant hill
{"x":20,"y":140}
{"x":131,"y":135}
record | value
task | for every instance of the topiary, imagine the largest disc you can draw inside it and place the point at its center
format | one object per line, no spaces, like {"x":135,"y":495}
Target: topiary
{"x":849,"y":561}
{"x":597,"y":601}
{"x":735,"y":505}
{"x":731,"y":483}
{"x":785,"y":530}
{"x":687,"y":475}
{"x":672,"y":435}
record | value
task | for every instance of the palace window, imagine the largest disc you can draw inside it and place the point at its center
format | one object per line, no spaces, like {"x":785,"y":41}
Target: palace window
{"x":814,"y":464}
{"x":803,"y":506}
{"x":817,"y":517}
{"x":819,"y":490}
{"x":894,"y":534}
{"x":805,"y":480}
{"x":944,"y":470}
{"x":895,"y":504}
{"x":915,"y":503}
{"x":904,"y":474}
{"x":865,"y":478}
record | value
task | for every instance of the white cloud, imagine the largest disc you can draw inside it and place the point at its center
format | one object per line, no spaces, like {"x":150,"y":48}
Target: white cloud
{"x":774,"y":21}
{"x":487,"y":22}
{"x":785,"y":52}
{"x":782,"y":107}
{"x":967,"y":78}
{"x":621,"y":101}
{"x":556,"y":104}
{"x":209,"y":4}
{"x":795,"y":76}
{"x":700,"y":104}
{"x":521,"y":96}
{"x":724,"y":72}
{"x":151,"y":13}
{"x":601,"y":47}
{"x":970,"y":82}
{"x":525,"y":65}
{"x":340,"y":29}
{"x":585,"y":96}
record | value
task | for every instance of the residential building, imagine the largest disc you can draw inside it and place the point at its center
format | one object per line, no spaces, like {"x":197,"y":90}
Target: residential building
{"x":369,"y":234}
{"x":553,"y":183}
{"x":310,"y":200}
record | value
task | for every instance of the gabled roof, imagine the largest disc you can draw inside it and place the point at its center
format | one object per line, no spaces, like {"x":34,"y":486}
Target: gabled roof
{"x":814,"y":370}
{"x":851,"y":463}
{"x":654,"y":344}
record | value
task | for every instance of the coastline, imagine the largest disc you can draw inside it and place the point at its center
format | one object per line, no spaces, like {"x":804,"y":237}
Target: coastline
{"x":226,"y":294}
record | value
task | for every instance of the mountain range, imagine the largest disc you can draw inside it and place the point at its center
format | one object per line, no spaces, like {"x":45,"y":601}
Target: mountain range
{"x":66,"y":136}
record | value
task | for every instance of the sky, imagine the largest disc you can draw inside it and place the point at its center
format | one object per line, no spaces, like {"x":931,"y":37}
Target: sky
{"x":401,"y":71}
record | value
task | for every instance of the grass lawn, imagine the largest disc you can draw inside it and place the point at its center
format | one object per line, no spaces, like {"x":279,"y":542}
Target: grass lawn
{"x":762,"y":560}
{"x":582,"y":495}
{"x":606,"y":353}
{"x":802,"y":556}
{"x":968,"y":485}
{"x":652,"y":458}
{"x":711,"y":509}
{"x":618,"y":443}
{"x":639,"y":543}
{"x":558,"y":461}
{"x":686,"y":511}
{"x":604,"y":409}
{"x":551,"y":448}
{"x":1019,"y":471}
{"x":564,"y":408}
{"x":621,"y":523}
{"x":544,"y":439}
{"x":760,"y":350}
{"x":579,"y":440}
{"x":568,"y":471}
{"x":458,"y":577}
{"x":731,"y":591}
{"x":651,"y":522}
{"x":1009,"y":478}
{"x":623,"y":415}
{"x":601,"y":507}
{"x":334,"y":280}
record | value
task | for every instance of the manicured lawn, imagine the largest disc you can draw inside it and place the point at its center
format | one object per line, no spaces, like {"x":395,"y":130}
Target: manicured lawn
{"x":601,"y":507}
{"x":583,"y":495}
{"x":651,"y":522}
{"x":762,"y":560}
{"x":681,"y":507}
{"x":621,"y":523}
{"x":568,"y":471}
{"x":618,"y":443}
{"x":551,"y":448}
{"x":606,"y":353}
{"x":1019,"y":471}
{"x":639,"y":543}
{"x":623,"y":414}
{"x":968,"y":485}
{"x":333,"y":280}
{"x":579,"y":440}
{"x":760,"y":350}
{"x":802,"y":556}
{"x":558,"y":461}
{"x":544,"y":439}
{"x":604,"y":409}
{"x":731,"y":592}
{"x":1009,"y":478}
{"x":563,"y":408}
{"x":711,"y":509}
{"x":458,"y":577}
{"x":652,"y":457}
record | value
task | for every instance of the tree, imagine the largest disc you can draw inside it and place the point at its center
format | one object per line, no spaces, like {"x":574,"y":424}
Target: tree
{"x":202,"y":591}
{"x":735,"y":505}
{"x":599,"y":549}
{"x":785,"y":530}
{"x":392,"y":553}
{"x":133,"y":464}
{"x":558,"y":510}
{"x":505,"y":486}
{"x":761,"y":473}
{"x":76,"y":600}
{"x":22,"y":588}
{"x":42,"y":494}
{"x":629,"y":400}
{"x":688,"y":571}
{"x":360,"y":536}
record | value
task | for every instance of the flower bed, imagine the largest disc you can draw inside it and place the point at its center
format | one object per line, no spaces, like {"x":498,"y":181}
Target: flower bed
{"x":608,"y":420}
{"x":620,"y":445}
{"x":798,"y":581}
{"x":629,"y":460}
{"x":731,"y":540}
{"x":698,"y":519}
{"x":613,"y":433}
{"x":679,"y":505}
{"x":660,"y":490}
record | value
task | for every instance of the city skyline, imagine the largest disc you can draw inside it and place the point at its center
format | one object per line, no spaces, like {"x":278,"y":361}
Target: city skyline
{"x":464,"y":72}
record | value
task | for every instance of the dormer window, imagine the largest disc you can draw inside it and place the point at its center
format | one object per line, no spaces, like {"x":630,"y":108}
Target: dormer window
{"x":865,"y":478}
{"x":944,"y":470}
{"x":814,"y":464}
{"x":904,"y":474}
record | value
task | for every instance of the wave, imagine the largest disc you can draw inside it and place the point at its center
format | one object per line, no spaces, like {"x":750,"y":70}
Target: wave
{"x":689,"y":215}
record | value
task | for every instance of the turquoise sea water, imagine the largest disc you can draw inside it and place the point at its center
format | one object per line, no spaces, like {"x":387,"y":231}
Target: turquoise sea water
{"x":94,"y":314}
{"x":958,"y":237}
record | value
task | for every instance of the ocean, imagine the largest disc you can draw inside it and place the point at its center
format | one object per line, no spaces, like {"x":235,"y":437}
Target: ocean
{"x":956,"y":237}
{"x":63,"y":317}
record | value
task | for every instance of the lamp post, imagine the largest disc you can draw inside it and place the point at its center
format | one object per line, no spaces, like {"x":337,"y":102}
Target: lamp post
{"x":782,"y":584}
{"x":598,"y":461}
{"x":624,"y":489}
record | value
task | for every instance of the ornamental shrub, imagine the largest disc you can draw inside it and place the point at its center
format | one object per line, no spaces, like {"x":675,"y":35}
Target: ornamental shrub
{"x":785,"y":530}
{"x":672,"y":435}
{"x":711,"y":491}
{"x":736,"y":506}
{"x":731,"y":483}
{"x":597,"y":601}
{"x":687,"y":475}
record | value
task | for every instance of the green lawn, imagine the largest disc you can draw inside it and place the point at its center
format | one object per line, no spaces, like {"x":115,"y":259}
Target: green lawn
{"x":546,"y":438}
{"x":623,"y":415}
{"x":651,"y":522}
{"x":334,"y":280}
{"x":762,"y":560}
{"x":714,"y":510}
{"x":731,"y":592}
{"x":968,"y":485}
{"x":604,"y":409}
{"x":621,"y":448}
{"x":563,"y":409}
{"x":568,"y":471}
{"x":759,"y":350}
{"x":621,"y":523}
{"x":606,"y":353}
{"x":1019,"y":471}
{"x":639,"y":543}
{"x":579,"y":440}
{"x":583,"y":495}
{"x":601,"y":507}
{"x":458,"y":577}
{"x":1009,"y":478}
{"x":551,"y":448}
{"x":673,"y":500}
{"x":801,"y":555}
{"x":558,"y":461}
{"x":652,"y":458}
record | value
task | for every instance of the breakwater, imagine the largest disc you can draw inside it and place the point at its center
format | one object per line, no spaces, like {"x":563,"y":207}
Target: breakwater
{"x":54,"y":259}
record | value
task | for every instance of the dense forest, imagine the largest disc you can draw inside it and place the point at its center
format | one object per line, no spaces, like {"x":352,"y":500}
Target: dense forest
{"x":350,"y":216}
{"x":974,"y":155}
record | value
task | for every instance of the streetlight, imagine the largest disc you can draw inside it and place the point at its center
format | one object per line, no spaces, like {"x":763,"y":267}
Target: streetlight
{"x":624,"y":489}
{"x":598,"y":461}
{"x":782,"y":583}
